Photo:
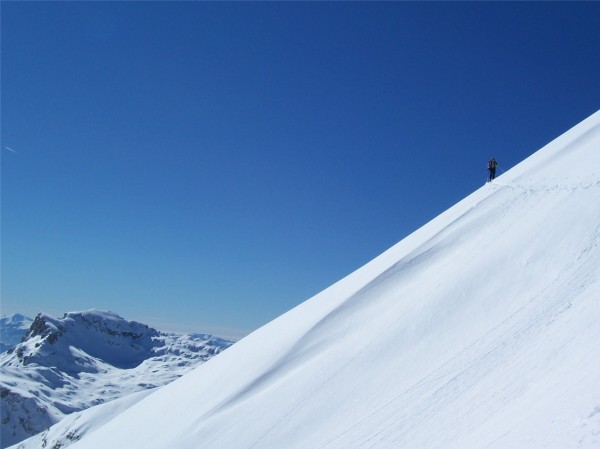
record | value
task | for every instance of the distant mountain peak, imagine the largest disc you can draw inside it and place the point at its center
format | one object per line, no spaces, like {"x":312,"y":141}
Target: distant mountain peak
{"x":101,"y":335}
{"x":15,"y":318}
{"x":12,"y":330}
{"x":86,"y":358}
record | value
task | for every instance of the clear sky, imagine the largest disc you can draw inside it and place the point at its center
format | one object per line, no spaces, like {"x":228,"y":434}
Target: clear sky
{"x":208,"y":166}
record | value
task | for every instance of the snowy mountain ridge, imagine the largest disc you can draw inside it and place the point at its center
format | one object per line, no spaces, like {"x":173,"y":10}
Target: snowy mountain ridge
{"x":95,"y":335}
{"x":88,"y":358}
{"x":479,"y":330}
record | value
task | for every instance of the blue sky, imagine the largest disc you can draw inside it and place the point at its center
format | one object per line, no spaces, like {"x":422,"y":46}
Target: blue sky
{"x":208,"y":166}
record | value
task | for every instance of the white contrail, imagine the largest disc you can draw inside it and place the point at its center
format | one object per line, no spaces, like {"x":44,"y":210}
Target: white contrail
{"x":10,"y":149}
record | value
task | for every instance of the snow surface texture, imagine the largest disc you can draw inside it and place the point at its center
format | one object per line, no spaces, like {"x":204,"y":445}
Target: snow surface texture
{"x":12,"y":329}
{"x":85,"y":359}
{"x":479,"y":330}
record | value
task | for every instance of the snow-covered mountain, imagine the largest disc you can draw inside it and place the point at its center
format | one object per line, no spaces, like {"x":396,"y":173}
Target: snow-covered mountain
{"x":479,"y":330}
{"x":85,"y":359}
{"x":12,"y":329}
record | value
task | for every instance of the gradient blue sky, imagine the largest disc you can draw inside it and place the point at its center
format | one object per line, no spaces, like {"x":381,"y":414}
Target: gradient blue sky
{"x":208,"y":166}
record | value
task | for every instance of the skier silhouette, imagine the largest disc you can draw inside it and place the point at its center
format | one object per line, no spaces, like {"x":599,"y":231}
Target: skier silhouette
{"x":492,"y":164}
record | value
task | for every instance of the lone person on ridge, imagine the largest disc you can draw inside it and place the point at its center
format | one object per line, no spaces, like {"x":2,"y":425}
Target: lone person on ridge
{"x":492,"y":164}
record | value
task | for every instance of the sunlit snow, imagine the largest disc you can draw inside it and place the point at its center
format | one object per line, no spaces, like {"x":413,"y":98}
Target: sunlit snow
{"x":479,"y":330}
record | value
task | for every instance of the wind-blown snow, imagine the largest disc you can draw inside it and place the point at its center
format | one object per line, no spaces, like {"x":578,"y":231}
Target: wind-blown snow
{"x":479,"y":330}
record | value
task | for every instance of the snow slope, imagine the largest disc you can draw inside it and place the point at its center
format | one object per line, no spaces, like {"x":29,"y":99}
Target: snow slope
{"x":479,"y":330}
{"x":76,"y":425}
{"x":84,"y":359}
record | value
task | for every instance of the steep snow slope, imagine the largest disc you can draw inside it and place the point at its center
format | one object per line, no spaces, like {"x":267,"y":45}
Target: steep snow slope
{"x":479,"y":330}
{"x":84,"y":359}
